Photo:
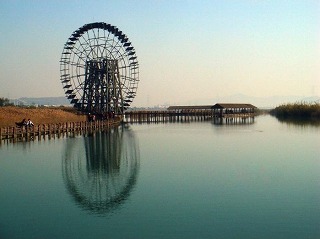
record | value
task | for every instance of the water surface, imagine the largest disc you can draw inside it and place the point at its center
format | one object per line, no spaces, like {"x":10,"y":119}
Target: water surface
{"x":172,"y":180}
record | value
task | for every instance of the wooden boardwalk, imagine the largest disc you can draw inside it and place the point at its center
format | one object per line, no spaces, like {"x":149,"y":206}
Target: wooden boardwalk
{"x":182,"y":116}
{"x":54,"y":130}
{"x":165,"y":116}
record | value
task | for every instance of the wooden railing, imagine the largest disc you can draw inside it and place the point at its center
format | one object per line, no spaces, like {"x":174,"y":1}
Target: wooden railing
{"x":25,"y":132}
{"x":186,"y":115}
{"x":166,"y":116}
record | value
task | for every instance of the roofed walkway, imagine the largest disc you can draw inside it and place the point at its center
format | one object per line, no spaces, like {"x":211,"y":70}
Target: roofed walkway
{"x":198,"y":112}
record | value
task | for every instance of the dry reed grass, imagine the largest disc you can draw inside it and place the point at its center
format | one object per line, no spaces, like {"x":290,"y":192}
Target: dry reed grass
{"x":301,"y":110}
{"x":10,"y":114}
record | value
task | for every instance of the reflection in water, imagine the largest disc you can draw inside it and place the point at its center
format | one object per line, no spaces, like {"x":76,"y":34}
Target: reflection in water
{"x":100,"y":170}
{"x":233,"y":121}
{"x":302,"y":122}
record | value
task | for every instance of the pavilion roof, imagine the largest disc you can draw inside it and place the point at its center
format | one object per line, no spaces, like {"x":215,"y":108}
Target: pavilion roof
{"x":194,"y":107}
{"x":232,"y":106}
{"x":216,"y":106}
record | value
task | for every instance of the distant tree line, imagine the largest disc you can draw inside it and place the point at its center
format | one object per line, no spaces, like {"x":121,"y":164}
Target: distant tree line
{"x":4,"y":102}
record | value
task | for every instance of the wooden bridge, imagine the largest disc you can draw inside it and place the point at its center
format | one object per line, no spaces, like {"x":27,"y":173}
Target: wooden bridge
{"x":229,"y":112}
{"x":166,"y":116}
{"x":42,"y":131}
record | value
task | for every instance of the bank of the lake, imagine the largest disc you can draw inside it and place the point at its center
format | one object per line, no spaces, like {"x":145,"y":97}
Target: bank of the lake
{"x":41,"y":115}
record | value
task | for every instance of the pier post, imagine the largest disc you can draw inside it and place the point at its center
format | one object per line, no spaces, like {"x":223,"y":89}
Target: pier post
{"x":14,"y":132}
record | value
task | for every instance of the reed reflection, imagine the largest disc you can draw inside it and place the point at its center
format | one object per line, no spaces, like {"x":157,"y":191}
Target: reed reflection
{"x":299,"y":122}
{"x":100,"y":170}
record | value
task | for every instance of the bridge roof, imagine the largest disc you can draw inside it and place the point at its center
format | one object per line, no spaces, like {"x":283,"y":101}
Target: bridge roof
{"x":232,"y":106}
{"x":194,"y":107}
{"x":216,"y":106}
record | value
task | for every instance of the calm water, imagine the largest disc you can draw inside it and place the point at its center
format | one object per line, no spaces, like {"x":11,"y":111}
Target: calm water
{"x":175,"y":180}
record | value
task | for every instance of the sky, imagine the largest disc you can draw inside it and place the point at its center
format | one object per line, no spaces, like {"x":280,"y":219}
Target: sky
{"x":187,"y":50}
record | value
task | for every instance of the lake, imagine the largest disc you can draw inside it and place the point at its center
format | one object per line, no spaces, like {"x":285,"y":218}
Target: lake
{"x":166,"y":180}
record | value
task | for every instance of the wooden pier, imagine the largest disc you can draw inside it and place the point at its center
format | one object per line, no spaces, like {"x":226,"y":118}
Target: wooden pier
{"x":54,"y":130}
{"x":166,"y":116}
{"x":219,"y":111}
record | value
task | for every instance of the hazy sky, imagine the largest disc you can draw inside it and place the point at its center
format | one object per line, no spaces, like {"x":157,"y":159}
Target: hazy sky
{"x":186,"y":49}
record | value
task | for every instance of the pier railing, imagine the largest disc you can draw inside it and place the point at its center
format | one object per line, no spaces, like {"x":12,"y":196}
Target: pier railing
{"x":166,"y":116}
{"x":52,"y":130}
{"x":180,"y":116}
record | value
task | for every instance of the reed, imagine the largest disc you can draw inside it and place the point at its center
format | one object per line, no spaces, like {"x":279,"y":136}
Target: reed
{"x":40,"y":115}
{"x":297,"y":110}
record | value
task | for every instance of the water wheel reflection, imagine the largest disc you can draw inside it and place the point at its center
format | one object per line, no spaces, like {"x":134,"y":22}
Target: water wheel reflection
{"x":101,"y":170}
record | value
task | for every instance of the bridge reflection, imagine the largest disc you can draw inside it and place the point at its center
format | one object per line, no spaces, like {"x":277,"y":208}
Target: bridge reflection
{"x":233,"y":120}
{"x":100,"y":170}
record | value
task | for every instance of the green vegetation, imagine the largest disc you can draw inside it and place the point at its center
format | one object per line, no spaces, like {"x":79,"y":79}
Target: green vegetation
{"x":4,"y":102}
{"x":297,"y":110}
